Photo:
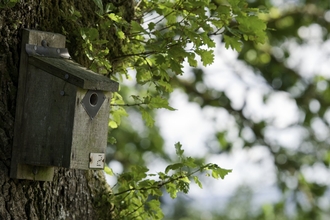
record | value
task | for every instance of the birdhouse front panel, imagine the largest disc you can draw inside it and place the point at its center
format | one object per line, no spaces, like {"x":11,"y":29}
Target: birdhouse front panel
{"x":90,"y":128}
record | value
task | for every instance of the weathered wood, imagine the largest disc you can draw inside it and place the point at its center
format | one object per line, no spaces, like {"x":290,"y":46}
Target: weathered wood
{"x":57,"y":129}
{"x":47,"y":121}
{"x":18,"y":170}
{"x":73,"y":73}
{"x":89,"y":136}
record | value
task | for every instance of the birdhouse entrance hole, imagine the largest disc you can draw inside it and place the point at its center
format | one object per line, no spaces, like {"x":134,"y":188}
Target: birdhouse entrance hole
{"x":93,"y":99}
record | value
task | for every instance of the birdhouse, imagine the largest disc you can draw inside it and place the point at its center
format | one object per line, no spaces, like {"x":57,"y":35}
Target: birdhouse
{"x":62,"y":110}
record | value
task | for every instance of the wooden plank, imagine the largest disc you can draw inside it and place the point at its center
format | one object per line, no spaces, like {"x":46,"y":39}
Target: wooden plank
{"x":18,"y":170}
{"x":89,"y":135}
{"x":37,"y":173}
{"x":48,"y":120}
{"x":74,"y":73}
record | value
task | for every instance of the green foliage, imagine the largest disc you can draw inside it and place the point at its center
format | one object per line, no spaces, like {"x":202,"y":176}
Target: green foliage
{"x":8,"y":3}
{"x":153,"y":40}
{"x":137,"y":193}
{"x":163,"y":35}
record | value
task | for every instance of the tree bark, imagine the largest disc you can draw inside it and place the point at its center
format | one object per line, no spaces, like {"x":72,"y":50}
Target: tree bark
{"x":73,"y":194}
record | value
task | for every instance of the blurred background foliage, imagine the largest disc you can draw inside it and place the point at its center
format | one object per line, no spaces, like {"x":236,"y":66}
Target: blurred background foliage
{"x":296,"y":26}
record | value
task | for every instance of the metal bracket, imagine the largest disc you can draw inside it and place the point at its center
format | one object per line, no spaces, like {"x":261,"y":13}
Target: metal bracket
{"x":44,"y":50}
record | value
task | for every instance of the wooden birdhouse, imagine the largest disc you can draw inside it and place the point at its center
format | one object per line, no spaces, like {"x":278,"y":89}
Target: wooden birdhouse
{"x":62,"y":110}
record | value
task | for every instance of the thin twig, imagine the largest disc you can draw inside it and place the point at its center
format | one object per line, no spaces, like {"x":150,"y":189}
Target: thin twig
{"x":129,"y":105}
{"x":160,"y":184}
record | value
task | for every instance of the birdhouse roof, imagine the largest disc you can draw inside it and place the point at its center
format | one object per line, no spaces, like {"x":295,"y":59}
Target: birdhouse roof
{"x":73,"y":73}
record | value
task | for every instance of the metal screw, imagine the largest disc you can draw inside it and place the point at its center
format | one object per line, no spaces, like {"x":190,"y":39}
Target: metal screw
{"x":44,"y":43}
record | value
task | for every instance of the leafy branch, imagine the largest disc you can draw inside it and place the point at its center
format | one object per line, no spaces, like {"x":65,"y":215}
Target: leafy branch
{"x":145,"y":103}
{"x":136,"y":191}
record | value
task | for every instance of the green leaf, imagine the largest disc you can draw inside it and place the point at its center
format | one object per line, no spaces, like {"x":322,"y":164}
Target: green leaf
{"x":147,"y":117}
{"x":233,"y":42}
{"x":155,"y":208}
{"x":162,"y":175}
{"x":207,"y":40}
{"x":108,"y":171}
{"x":171,"y":188}
{"x":121,"y":35}
{"x":222,"y":139}
{"x":177,"y":52}
{"x":160,"y":59}
{"x":176,"y":66}
{"x":173,"y":167}
{"x":158,"y":102}
{"x":99,"y":4}
{"x":142,"y":75}
{"x":190,"y":162}
{"x":178,"y":149}
{"x":191,"y":60}
{"x":183,"y":185}
{"x":114,"y":17}
{"x":185,"y":179}
{"x":254,"y":26}
{"x":116,"y":115}
{"x":112,"y":140}
{"x":75,"y":14}
{"x":112,"y":124}
{"x":151,"y":26}
{"x":224,"y":12}
{"x":156,"y":191}
{"x":139,"y":172}
{"x":220,"y":172}
{"x":165,"y":86}
{"x":91,"y":34}
{"x":136,"y":27}
{"x":198,"y":182}
{"x":251,"y":24}
{"x":207,"y":56}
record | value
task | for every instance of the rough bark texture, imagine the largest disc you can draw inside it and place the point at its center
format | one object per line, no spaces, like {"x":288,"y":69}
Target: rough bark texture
{"x":73,"y":194}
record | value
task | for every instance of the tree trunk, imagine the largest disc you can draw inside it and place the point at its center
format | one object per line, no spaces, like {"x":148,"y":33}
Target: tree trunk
{"x":73,"y":194}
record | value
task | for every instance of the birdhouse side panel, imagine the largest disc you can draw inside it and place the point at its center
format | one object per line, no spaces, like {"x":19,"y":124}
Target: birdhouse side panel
{"x":48,"y":120}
